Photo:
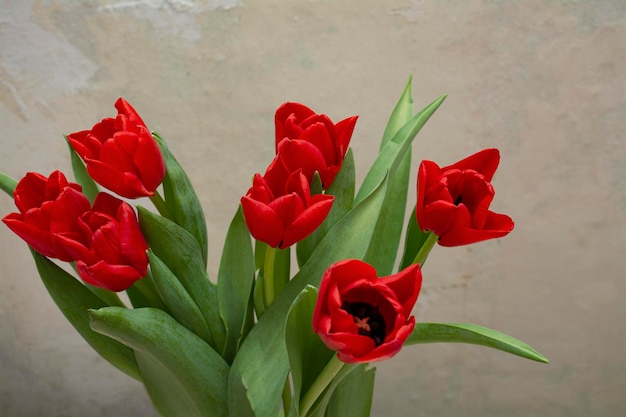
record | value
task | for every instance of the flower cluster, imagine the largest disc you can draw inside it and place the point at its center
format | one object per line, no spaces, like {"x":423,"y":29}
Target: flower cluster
{"x":260,"y":334}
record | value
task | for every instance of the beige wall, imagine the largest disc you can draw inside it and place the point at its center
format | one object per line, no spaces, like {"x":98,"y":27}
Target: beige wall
{"x":541,"y":80}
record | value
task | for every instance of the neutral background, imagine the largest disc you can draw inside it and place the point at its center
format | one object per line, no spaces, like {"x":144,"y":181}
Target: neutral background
{"x":544,"y":81}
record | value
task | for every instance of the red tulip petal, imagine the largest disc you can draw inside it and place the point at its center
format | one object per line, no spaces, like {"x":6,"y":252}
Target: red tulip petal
{"x":125,"y":184}
{"x":308,"y":220}
{"x":39,"y":239}
{"x":149,"y":161}
{"x":322,"y":136}
{"x":29,"y":192}
{"x":458,"y":236}
{"x":406,"y":286}
{"x":388,"y":349}
{"x":428,"y":171}
{"x":344,"y":130}
{"x":263,"y":222}
{"x":299,"y":154}
{"x":485,"y":162}
{"x":111,"y":277}
{"x":297,"y":111}
{"x":124,"y":107}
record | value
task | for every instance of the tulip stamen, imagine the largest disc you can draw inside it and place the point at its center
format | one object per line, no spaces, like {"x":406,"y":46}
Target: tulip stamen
{"x":370,"y":322}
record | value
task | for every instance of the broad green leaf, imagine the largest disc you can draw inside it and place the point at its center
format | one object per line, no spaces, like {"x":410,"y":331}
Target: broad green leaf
{"x":74,"y":300}
{"x":386,"y":240}
{"x":109,"y":297}
{"x":320,"y":406}
{"x":259,"y":295}
{"x":400,"y":114}
{"x":343,"y":190}
{"x":261,"y":365}
{"x":7,"y":184}
{"x":178,"y":301}
{"x":235,"y":281}
{"x":307,"y":353}
{"x":387,"y":160}
{"x":196,"y":372}
{"x":90,"y":188}
{"x":181,"y":253}
{"x":137,"y":299}
{"x":259,"y":254}
{"x":413,"y":241}
{"x":384,"y":245}
{"x":167,"y":394}
{"x":353,"y":396}
{"x":181,"y":199}
{"x":473,"y":334}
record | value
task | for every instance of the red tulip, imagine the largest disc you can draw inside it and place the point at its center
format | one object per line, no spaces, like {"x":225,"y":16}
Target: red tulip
{"x":453,"y":201}
{"x":362,"y":317}
{"x":47,"y":207}
{"x":111,"y":251}
{"x":311,"y":142}
{"x":281,"y":215}
{"x":121,"y":154}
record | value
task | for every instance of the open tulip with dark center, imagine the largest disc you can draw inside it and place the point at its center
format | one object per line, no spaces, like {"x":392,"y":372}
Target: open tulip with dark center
{"x":363,"y":317}
{"x":453,"y":201}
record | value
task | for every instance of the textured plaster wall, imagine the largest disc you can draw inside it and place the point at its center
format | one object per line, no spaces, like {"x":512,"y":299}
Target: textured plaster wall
{"x":542,"y":80}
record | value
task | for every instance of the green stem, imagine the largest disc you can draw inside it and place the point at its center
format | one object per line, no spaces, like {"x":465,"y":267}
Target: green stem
{"x":324,"y":379}
{"x":428,"y":244}
{"x":269,"y":291}
{"x":7,"y":184}
{"x":159,"y":204}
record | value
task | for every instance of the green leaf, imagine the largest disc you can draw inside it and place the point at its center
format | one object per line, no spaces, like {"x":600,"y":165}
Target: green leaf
{"x":74,"y":300}
{"x":400,"y":114}
{"x":178,"y":249}
{"x":7,"y":184}
{"x":343,"y":190}
{"x":388,"y":230}
{"x":261,"y":365}
{"x":178,"y":301}
{"x":235,"y":281}
{"x":176,"y":358}
{"x":90,"y":188}
{"x":353,"y":396}
{"x":413,"y":242}
{"x":473,"y":334}
{"x":387,"y":160}
{"x":182,"y":200}
{"x":385,"y":241}
{"x":307,"y":353}
{"x":320,"y":406}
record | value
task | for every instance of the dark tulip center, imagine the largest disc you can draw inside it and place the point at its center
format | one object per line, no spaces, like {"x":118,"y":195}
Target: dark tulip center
{"x":458,"y":200}
{"x":368,"y":320}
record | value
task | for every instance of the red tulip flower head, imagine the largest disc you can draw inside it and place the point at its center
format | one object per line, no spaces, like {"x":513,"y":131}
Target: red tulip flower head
{"x":47,"y":207}
{"x":111,"y":252}
{"x":363,"y":317}
{"x":311,"y":142}
{"x":121,"y":154}
{"x":453,"y":201}
{"x":283,"y":214}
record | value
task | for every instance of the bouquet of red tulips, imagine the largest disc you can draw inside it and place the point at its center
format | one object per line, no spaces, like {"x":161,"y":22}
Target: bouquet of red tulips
{"x":258,"y":339}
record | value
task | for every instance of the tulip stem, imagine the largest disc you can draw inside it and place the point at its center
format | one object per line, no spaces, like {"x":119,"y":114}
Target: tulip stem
{"x":159,"y":204}
{"x":428,"y":244}
{"x":275,"y":272}
{"x":268,"y":275}
{"x":322,"y":381}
